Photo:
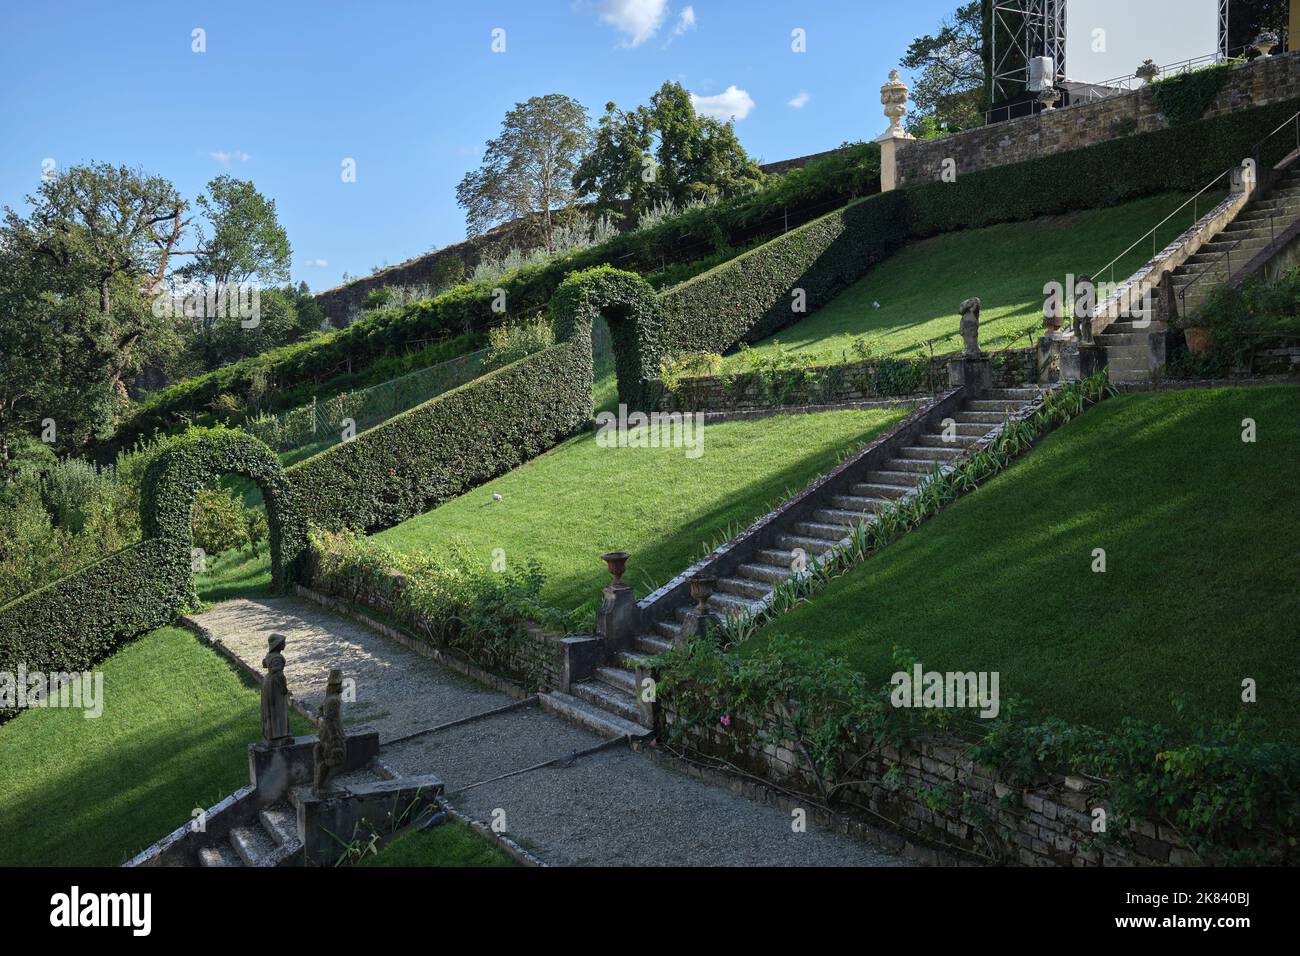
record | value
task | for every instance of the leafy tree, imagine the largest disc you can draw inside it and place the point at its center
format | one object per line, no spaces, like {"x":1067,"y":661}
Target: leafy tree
{"x":1249,"y":18}
{"x":528,"y":169}
{"x":948,"y":86}
{"x":663,"y":152}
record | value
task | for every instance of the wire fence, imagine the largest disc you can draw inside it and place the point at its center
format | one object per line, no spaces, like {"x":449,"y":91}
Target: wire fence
{"x":323,"y":423}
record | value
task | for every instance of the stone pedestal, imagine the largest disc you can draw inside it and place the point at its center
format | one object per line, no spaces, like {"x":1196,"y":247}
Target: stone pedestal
{"x":973,"y":374}
{"x":358,"y":812}
{"x":696,"y":622}
{"x":619,"y":619}
{"x":1082,"y":361}
{"x":890,"y":142}
{"x":274,"y":771}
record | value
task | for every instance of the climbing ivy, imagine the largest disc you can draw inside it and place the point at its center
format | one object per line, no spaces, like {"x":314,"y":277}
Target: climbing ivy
{"x":1184,"y":98}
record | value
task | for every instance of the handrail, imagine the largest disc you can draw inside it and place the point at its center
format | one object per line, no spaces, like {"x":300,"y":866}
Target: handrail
{"x":1227,"y":254}
{"x":1152,"y":231}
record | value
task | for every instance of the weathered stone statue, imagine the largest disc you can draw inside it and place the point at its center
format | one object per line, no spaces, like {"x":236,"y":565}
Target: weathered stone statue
{"x":330,"y":752}
{"x":970,"y":327}
{"x":1085,"y":304}
{"x":275,"y":694}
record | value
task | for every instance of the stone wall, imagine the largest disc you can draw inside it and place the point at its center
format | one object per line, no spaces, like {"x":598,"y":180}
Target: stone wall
{"x":1258,"y":83}
{"x":933,"y":792}
{"x":838,"y":384}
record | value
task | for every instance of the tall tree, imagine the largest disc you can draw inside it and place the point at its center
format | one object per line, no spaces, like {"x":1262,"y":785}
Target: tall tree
{"x":1247,"y":19}
{"x":527,"y":171}
{"x":948,"y":88}
{"x":663,"y":151}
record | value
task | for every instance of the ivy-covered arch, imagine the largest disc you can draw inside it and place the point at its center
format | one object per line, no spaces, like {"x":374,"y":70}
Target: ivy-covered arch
{"x":630,"y":306}
{"x":174,"y":478}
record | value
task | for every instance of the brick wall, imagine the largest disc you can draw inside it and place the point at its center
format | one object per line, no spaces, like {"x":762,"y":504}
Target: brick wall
{"x":1258,"y":83}
{"x":834,"y":384}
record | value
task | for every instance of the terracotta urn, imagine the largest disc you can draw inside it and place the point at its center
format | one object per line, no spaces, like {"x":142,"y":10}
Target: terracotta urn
{"x":616,"y":561}
{"x":1199,"y":339}
{"x":702,"y":587}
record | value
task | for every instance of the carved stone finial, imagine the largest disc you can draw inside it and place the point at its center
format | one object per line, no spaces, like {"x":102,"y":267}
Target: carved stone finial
{"x":970,"y":327}
{"x":893,"y":96}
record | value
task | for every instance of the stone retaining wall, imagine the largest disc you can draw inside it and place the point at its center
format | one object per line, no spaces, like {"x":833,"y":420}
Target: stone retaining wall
{"x":1258,"y":83}
{"x":932,"y":791}
{"x":837,"y":384}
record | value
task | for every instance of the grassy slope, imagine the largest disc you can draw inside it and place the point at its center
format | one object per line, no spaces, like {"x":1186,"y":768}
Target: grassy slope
{"x":579,"y":500}
{"x":1007,"y":266}
{"x":173,"y":736}
{"x":1201,"y":587}
{"x":452,"y":844}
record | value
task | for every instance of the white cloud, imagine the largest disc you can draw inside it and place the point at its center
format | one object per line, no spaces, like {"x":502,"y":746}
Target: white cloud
{"x":316,"y":263}
{"x":800,"y":101}
{"x":639,"y":20}
{"x":685,"y":21}
{"x":730,"y":103}
{"x":227,"y":159}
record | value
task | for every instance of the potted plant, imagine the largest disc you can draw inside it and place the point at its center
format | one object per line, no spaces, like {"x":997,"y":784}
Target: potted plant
{"x":1199,"y":338}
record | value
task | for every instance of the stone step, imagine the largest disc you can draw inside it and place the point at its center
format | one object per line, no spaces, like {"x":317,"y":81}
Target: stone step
{"x":915,"y":466}
{"x":617,"y":678}
{"x":731,"y":605}
{"x":973,"y":430}
{"x":958,"y":444}
{"x":833,"y":533}
{"x":906,"y":480}
{"x":666,"y":630}
{"x":253,"y":845}
{"x":745,"y":587}
{"x":979,"y":418}
{"x":776,"y":558}
{"x":281,"y":825}
{"x":1111,"y":339}
{"x":592,"y":718}
{"x":993,"y":405}
{"x":880,"y":489}
{"x":219,"y":855}
{"x":848,"y":520}
{"x":1025,"y":394}
{"x":772,"y":573}
{"x":810,"y":546}
{"x":1245,"y":250}
{"x":607,"y":698}
{"x":932,"y":454}
{"x":862,"y":504}
{"x":632,"y":659}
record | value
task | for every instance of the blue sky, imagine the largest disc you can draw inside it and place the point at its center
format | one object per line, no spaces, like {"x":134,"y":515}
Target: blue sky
{"x":286,"y":91}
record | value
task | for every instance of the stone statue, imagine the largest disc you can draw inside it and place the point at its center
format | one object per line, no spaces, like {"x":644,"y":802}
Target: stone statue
{"x":1085,"y":303}
{"x":331,"y":750}
{"x":970,"y":327}
{"x":275,"y":694}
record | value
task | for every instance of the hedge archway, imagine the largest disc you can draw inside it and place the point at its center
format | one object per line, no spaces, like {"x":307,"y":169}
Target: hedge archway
{"x":630,"y":306}
{"x":174,"y":478}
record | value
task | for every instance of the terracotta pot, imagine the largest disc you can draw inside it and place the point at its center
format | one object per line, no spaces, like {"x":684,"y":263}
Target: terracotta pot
{"x":1199,"y":339}
{"x":702,"y":586}
{"x":616,"y":561}
{"x":1053,"y":324}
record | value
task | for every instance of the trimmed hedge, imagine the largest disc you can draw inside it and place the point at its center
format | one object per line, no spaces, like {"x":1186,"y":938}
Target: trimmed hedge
{"x":751,"y":296}
{"x":450,"y":444}
{"x":631,"y":308}
{"x":468,"y":308}
{"x":1107,"y":174}
{"x":77,"y":621}
{"x":175,"y":477}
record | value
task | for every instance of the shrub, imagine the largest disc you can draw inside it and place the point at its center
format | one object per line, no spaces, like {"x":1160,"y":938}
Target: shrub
{"x":510,"y":343}
{"x":220,"y":522}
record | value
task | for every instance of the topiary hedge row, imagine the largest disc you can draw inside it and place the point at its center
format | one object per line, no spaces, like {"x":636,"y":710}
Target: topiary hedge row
{"x":450,"y":444}
{"x":77,"y":621}
{"x":757,"y":293}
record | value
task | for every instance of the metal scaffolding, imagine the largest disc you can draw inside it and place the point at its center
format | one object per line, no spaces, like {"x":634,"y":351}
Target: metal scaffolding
{"x":1022,"y":30}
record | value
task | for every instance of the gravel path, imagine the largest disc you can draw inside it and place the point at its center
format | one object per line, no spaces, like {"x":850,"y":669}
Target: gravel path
{"x":612,"y":808}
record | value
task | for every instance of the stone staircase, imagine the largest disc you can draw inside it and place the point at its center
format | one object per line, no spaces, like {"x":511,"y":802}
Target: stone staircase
{"x":270,"y":843}
{"x":1130,"y":355}
{"x":607,"y":703}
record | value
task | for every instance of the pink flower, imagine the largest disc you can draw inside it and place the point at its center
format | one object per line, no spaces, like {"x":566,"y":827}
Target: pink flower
{"x":725,"y":720}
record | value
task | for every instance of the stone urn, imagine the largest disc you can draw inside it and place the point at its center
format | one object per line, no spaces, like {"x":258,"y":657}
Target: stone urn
{"x":616,"y":561}
{"x":893,"y":96}
{"x":1199,"y":339}
{"x":702,"y":588}
{"x":1049,"y":96}
{"x":1147,"y":72}
{"x":1265,"y":42}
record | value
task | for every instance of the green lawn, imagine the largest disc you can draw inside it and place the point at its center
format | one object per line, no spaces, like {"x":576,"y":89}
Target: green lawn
{"x":452,"y":844}
{"x":1201,"y":588}
{"x":920,"y":287}
{"x":173,"y":736}
{"x":567,"y":507}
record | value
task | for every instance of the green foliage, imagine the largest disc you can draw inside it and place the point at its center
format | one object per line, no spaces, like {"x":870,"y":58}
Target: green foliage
{"x":1185,"y":98}
{"x":1242,"y":318}
{"x":450,"y":444}
{"x":220,"y":521}
{"x":674,"y":368}
{"x":948,"y":89}
{"x":510,"y":343}
{"x":756,"y":293}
